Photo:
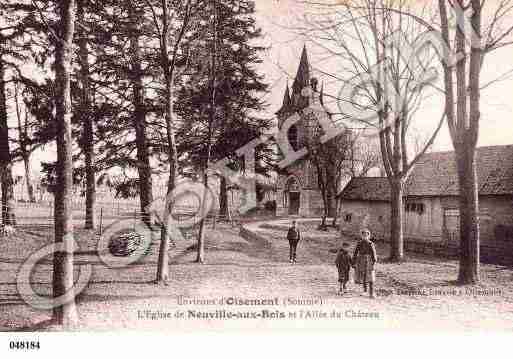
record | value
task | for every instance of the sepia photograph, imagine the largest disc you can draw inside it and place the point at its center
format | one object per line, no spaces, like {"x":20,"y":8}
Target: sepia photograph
{"x":255,"y":165}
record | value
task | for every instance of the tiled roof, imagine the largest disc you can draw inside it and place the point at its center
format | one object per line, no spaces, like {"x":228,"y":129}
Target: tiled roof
{"x":367,"y":189}
{"x":436,"y":175}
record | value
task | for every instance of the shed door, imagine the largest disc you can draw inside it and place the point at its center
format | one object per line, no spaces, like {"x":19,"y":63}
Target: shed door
{"x":452,"y":224}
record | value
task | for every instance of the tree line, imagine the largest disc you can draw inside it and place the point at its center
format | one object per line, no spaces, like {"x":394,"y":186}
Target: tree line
{"x":139,"y":87}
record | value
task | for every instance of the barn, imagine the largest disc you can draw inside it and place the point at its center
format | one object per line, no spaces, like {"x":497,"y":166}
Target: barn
{"x":431,"y":216}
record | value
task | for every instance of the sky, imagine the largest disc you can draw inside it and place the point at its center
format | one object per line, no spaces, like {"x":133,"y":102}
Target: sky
{"x":278,"y":20}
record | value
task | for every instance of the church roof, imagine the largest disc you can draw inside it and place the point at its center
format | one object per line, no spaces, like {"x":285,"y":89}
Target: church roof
{"x":295,"y":101}
{"x":302,"y":79}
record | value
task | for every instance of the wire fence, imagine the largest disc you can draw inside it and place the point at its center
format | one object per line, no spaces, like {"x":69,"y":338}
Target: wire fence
{"x":40,"y":215}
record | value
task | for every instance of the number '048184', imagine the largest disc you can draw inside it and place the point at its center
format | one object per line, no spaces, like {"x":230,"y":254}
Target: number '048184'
{"x":24,"y":345}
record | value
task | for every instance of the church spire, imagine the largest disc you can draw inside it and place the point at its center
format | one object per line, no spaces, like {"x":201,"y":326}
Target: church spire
{"x":287,"y":101}
{"x":302,"y":79}
{"x":286,"y":97}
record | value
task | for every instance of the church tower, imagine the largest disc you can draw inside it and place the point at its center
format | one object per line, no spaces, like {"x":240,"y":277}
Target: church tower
{"x":298,"y":191}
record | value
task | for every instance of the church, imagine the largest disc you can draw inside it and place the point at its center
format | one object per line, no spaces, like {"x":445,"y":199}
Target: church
{"x":298,"y":191}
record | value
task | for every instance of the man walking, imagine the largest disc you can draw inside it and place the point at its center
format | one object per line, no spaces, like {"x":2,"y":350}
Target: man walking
{"x":293,"y":237}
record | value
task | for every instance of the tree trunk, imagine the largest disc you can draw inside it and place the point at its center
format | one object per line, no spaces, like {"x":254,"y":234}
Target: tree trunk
{"x":200,"y":258}
{"x":396,"y":221}
{"x":323,"y":189}
{"x":200,"y":254}
{"x":223,"y":198}
{"x":330,"y":201}
{"x":8,"y":217}
{"x":163,"y":260}
{"x":168,"y":68}
{"x":330,"y":189}
{"x":323,"y":221}
{"x":87,"y":123}
{"x":335,"y":217}
{"x":469,"y":221}
{"x":63,"y":260}
{"x":325,"y":208}
{"x":28,"y":178}
{"x":139,"y":119}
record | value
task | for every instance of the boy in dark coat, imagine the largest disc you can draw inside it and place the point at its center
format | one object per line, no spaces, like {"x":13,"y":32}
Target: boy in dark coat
{"x":343,"y":263}
{"x":293,"y":236}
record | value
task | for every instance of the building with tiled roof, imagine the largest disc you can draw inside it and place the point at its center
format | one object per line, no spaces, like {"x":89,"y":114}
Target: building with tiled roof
{"x":431,"y":220}
{"x":367,"y":189}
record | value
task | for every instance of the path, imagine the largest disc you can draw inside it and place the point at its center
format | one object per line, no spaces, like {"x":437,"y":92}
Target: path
{"x":250,"y":269}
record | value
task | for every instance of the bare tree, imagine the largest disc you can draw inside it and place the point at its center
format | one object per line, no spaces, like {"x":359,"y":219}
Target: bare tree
{"x":171,"y":20}
{"x":331,"y":161}
{"x":463,"y":108}
{"x":359,"y":34}
{"x":364,"y":155}
{"x":479,"y":29}
{"x":211,"y":123}
{"x":63,"y":260}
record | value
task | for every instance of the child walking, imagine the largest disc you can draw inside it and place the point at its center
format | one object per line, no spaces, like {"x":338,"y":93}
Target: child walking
{"x":343,"y":263}
{"x":364,"y":260}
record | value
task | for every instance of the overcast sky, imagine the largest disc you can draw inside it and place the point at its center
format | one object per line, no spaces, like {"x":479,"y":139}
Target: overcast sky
{"x":277,"y":18}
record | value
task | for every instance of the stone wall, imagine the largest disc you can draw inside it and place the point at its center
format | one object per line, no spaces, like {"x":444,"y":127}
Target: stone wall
{"x":354,"y":215}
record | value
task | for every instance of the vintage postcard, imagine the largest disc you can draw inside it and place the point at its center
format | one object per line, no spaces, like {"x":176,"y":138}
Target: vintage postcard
{"x":197,"y":165}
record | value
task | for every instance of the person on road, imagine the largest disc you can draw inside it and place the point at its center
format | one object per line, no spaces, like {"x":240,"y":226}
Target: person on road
{"x":293,"y":236}
{"x":364,"y":260}
{"x":343,"y":263}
